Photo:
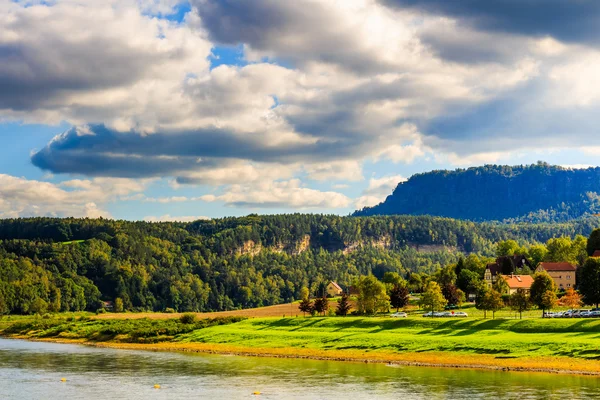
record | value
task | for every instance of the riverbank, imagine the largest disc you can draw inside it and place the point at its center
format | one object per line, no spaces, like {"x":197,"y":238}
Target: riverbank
{"x":557,"y":346}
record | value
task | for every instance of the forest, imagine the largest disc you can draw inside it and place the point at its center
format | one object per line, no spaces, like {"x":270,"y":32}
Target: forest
{"x":51,"y":264}
{"x":526,"y":193}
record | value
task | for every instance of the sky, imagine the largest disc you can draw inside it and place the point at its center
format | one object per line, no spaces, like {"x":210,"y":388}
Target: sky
{"x":165,"y":110}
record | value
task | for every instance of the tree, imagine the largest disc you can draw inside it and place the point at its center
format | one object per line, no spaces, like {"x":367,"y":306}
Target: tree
{"x":306,"y":306}
{"x":490,"y":300}
{"x":393,"y":279}
{"x":399,"y":297}
{"x":495,"y":302}
{"x":372,"y":297}
{"x":537,"y":254}
{"x":589,"y":281}
{"x":519,"y":301}
{"x":560,"y":249}
{"x":321,"y":305}
{"x":593,"y":242}
{"x":549,"y":300}
{"x":343,"y":306}
{"x":542,"y":283}
{"x":468,"y":281}
{"x":501,"y":286}
{"x":432,"y":298}
{"x":451,"y":294}
{"x":508,"y":248}
{"x":118,"y":305}
{"x":571,"y":299}
{"x":460,"y":298}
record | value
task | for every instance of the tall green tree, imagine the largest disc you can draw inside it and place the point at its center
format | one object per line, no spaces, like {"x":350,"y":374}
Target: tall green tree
{"x":593,"y":242}
{"x":589,"y":281}
{"x":432,"y":299}
{"x":519,"y":302}
{"x":372,"y":297}
{"x":542,"y":284}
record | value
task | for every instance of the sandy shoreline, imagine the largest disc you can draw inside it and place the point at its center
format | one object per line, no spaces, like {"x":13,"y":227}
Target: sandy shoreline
{"x":568,"y":366}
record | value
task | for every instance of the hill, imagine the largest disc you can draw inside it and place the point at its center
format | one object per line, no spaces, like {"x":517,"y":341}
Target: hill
{"x":49,"y":264}
{"x":533,"y":193}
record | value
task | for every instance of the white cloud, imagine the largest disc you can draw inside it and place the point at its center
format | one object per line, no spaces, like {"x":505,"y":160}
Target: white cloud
{"x":284,"y":194}
{"x":378,"y":190}
{"x":20,"y":197}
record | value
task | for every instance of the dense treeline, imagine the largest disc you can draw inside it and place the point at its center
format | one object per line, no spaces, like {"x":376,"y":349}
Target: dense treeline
{"x":532,"y":193}
{"x":49,"y":264}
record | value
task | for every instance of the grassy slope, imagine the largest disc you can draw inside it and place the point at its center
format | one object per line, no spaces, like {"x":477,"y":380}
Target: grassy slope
{"x":572,"y":345}
{"x":500,"y":338}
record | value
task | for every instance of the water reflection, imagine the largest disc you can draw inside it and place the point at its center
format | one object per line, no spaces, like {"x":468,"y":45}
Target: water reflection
{"x":33,"y":370}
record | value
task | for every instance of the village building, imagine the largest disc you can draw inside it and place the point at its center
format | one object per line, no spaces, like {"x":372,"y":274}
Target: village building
{"x":504,"y":265}
{"x":333,"y":289}
{"x":596,"y":253}
{"x":516,"y":282}
{"x":562,"y":273}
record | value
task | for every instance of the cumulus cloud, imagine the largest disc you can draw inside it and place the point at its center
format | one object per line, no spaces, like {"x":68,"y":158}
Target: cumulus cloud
{"x":378,"y":190}
{"x":326,"y":86}
{"x":571,"y":21}
{"x":282,"y":194}
{"x":76,"y":198}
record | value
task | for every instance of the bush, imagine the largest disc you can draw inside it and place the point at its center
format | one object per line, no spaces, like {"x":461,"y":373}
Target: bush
{"x":100,"y":311}
{"x":169,"y":310}
{"x":187,"y":318}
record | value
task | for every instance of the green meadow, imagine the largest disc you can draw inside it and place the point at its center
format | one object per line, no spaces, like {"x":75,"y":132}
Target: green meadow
{"x":499,"y":337}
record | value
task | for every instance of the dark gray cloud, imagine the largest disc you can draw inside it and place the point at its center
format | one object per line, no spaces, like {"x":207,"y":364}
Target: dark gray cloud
{"x":573,"y":21}
{"x":295,"y":32}
{"x":98,"y":151}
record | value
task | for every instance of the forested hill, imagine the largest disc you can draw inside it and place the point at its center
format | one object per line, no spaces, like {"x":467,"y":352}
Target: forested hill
{"x":534,"y":193}
{"x":51,"y":264}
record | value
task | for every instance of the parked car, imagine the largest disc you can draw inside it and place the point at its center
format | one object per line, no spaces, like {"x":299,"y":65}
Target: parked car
{"x":548,"y":314}
{"x":579,"y":313}
{"x":595,"y":314}
{"x":399,"y":314}
{"x":567,"y":314}
{"x":460,"y":314}
{"x":585,"y":314}
{"x":451,"y":307}
{"x":429,"y":314}
{"x":558,"y":314}
{"x":444,"y":314}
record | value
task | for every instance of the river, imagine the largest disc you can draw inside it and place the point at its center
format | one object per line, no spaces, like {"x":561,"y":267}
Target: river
{"x":34,"y":370}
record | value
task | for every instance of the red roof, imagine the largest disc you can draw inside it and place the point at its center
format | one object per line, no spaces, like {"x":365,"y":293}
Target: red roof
{"x":335,"y":285}
{"x":518,"y":281}
{"x":558,"y":266}
{"x":596,"y":253}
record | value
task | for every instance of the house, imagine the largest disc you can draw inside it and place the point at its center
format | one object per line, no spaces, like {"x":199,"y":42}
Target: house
{"x":333,"y":289}
{"x":562,"y":273}
{"x":492,"y":271}
{"x":504,"y":265}
{"x":516,"y":282}
{"x":108,"y":305}
{"x":596,"y":253}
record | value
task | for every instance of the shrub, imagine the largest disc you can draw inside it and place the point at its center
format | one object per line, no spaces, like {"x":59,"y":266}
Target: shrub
{"x":100,"y":311}
{"x":188,"y":318}
{"x":169,"y":310}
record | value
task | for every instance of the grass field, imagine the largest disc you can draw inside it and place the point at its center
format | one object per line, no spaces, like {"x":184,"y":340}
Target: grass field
{"x":535,"y":344}
{"x":280,"y":310}
{"x":291,"y":310}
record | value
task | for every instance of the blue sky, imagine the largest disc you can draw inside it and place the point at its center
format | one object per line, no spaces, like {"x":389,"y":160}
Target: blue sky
{"x":162,"y":109}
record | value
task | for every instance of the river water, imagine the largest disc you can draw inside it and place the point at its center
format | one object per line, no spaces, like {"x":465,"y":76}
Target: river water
{"x":33,"y":370}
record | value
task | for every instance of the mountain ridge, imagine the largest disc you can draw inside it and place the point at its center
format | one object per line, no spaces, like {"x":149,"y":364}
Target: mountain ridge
{"x":527,"y":193}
